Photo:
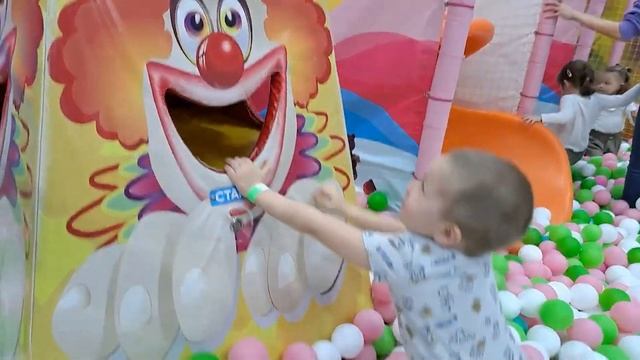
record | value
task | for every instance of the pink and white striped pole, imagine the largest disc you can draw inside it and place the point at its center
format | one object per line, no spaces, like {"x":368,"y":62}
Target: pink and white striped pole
{"x":458,"y":16}
{"x":537,"y":64}
{"x":587,"y":36}
{"x":618,"y":47}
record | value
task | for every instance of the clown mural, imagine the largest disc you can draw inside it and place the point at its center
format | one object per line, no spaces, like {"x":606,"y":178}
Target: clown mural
{"x":21,"y":33}
{"x":161,"y":257}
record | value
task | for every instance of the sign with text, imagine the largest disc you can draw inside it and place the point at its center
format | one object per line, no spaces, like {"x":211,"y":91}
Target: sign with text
{"x":224,"y":195}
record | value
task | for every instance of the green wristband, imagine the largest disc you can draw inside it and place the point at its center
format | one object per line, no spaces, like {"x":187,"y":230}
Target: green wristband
{"x":255,"y":191}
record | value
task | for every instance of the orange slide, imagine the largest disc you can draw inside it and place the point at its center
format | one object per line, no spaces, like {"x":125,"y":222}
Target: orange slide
{"x":534,"y":149}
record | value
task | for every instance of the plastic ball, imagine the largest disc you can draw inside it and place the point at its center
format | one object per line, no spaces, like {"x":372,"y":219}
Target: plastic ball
{"x":602,"y":217}
{"x":586,"y":331}
{"x":546,"y":337}
{"x":533,"y":351}
{"x":395,"y":328}
{"x":510,"y":304}
{"x":536,"y":270}
{"x":532,"y":236}
{"x":613,"y":255}
{"x":325,"y":350}
{"x":556,"y":262}
{"x":627,"y":316}
{"x":633,"y":214}
{"x":388,"y":312}
{"x":530,"y":253}
{"x":542,"y":213}
{"x":615,"y":273}
{"x":547,"y":290}
{"x":619,"y":207}
{"x":299,"y":351}
{"x":583,"y":195}
{"x":203,"y":356}
{"x":367,"y":353}
{"x":517,"y":332}
{"x":568,"y":246}
{"x":398,"y":355}
{"x":616,"y":191}
{"x":584,"y":297}
{"x":602,"y":197}
{"x":608,"y":327}
{"x":591,"y":255}
{"x":609,"y":233}
{"x":501,"y":282}
{"x":603,"y":171}
{"x":348,"y":339}
{"x":591,"y":280}
{"x":547,"y":246}
{"x":248,"y":349}
{"x":631,"y":346}
{"x":575,"y":271}
{"x":631,"y":225}
{"x":515,"y":268}
{"x":562,"y":291}
{"x":558,"y":232}
{"x":612,"y":352}
{"x":385,"y":344}
{"x":380,"y":293}
{"x":531,"y":300}
{"x":574,"y":262}
{"x":580,"y":216}
{"x":556,"y":314}
{"x":588,"y":170}
{"x":588,"y":183}
{"x":611,"y":296}
{"x":500,"y":264}
{"x":633,"y":256}
{"x":574,"y":350}
{"x":591,"y":233}
{"x":590,"y":207}
{"x":378,"y":201}
{"x":370,"y":324}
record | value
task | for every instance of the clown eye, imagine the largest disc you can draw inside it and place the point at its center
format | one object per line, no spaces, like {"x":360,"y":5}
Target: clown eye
{"x":191,"y":25}
{"x":234,"y":20}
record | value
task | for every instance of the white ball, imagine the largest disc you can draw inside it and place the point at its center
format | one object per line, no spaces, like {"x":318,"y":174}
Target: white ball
{"x":628,"y":244}
{"x":577,"y":236}
{"x":510,"y":304}
{"x":531,"y":300}
{"x":574,"y":350}
{"x":325,"y":350}
{"x":542,"y":212}
{"x":638,"y":204}
{"x":609,"y":233}
{"x":515,"y":335}
{"x":631,"y":226}
{"x":623,"y":232}
{"x":584,"y":296}
{"x":562,"y":291}
{"x":615,"y":273}
{"x":624,"y":147}
{"x":588,"y":170}
{"x":576,"y":205}
{"x":580,"y":164}
{"x":634,"y":292}
{"x":546,"y":337}
{"x":597,"y":188}
{"x":630,"y":281}
{"x":634,"y":269}
{"x":597,"y":356}
{"x":395,"y":328}
{"x":530,"y":253}
{"x":631,"y":346}
{"x":348,"y":339}
{"x":539,"y":347}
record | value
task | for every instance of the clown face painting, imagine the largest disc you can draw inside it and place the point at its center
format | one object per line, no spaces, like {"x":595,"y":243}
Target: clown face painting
{"x":163,"y":92}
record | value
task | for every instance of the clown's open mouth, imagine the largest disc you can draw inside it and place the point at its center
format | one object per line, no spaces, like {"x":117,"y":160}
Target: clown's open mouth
{"x":215,"y":133}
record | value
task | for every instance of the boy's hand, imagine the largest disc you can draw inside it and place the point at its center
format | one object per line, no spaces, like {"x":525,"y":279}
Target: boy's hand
{"x":555,"y":8}
{"x":531,"y":119}
{"x":329,"y":199}
{"x":244,"y":173}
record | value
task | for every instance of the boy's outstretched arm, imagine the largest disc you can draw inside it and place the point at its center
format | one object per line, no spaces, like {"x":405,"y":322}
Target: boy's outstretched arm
{"x":342,"y":238}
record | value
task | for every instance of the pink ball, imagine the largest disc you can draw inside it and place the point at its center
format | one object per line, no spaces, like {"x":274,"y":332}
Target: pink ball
{"x":562,"y":279}
{"x":371,"y":324}
{"x":602,"y":197}
{"x":248,"y":349}
{"x":547,"y":246}
{"x":601,"y":180}
{"x":555,"y":261}
{"x":388,"y":313}
{"x":586,"y":331}
{"x":531,"y":353}
{"x":619,"y":207}
{"x":547,"y":290}
{"x":380,"y":293}
{"x":520,"y":280}
{"x":610,"y":157}
{"x":538,"y":226}
{"x":613,"y":255}
{"x":597,"y":274}
{"x":633,"y":214}
{"x":590,"y":207}
{"x":299,"y":351}
{"x":619,"y":285}
{"x":591,"y":280}
{"x":533,"y":269}
{"x":398,"y":355}
{"x":515,"y":268}
{"x":367,"y":353}
{"x":573,"y":227}
{"x":627,"y":315}
{"x":618,"y":181}
{"x":610,"y":164}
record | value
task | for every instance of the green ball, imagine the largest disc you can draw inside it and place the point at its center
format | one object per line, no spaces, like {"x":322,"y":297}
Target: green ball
{"x":612,"y":352}
{"x":576,"y":174}
{"x":378,"y":201}
{"x":575,"y":271}
{"x":608,"y":327}
{"x":582,"y":196}
{"x":603,"y":171}
{"x":602,"y":217}
{"x":556,"y":314}
{"x":385,"y":344}
{"x":203,"y":356}
{"x":568,"y":246}
{"x":591,"y":233}
{"x":591,"y":255}
{"x":580,"y":216}
{"x":538,"y":280}
{"x":500,"y":264}
{"x":519,"y":330}
{"x":588,"y":183}
{"x":512,"y":257}
{"x":501,"y":281}
{"x":619,"y":173}
{"x":596,"y":161}
{"x":616,"y":191}
{"x":611,"y":296}
{"x":574,"y":261}
{"x":532,"y":237}
{"x":633,"y":256}
{"x":557,"y":232}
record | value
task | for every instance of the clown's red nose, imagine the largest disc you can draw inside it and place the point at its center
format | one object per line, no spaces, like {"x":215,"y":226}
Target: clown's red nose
{"x":220,"y":60}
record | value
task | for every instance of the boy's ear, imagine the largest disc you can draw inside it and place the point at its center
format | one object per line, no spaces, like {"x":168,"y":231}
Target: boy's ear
{"x":450,"y":235}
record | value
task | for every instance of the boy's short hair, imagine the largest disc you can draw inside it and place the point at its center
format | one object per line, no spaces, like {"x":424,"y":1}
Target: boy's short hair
{"x":488,"y":198}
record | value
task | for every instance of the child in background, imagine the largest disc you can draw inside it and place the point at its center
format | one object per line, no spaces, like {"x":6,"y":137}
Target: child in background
{"x":436,"y":257}
{"x":580,"y":107}
{"x":606,"y":135}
